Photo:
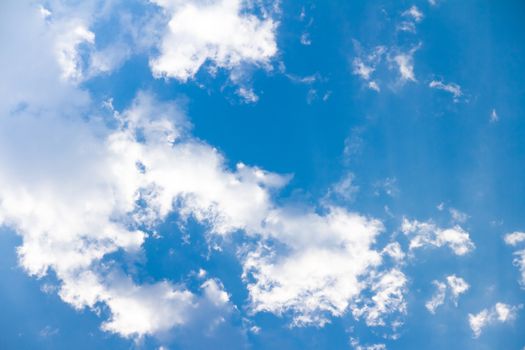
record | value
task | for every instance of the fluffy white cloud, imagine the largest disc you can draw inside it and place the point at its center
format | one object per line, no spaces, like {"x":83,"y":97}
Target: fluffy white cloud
{"x":219,"y":31}
{"x":427,"y":233}
{"x":74,"y":205}
{"x":502,"y":313}
{"x":388,"y":289}
{"x":317,"y":273}
{"x":87,"y":203}
{"x":451,"y":88}
{"x":514,"y":238}
{"x":77,"y":190}
{"x":455,"y":285}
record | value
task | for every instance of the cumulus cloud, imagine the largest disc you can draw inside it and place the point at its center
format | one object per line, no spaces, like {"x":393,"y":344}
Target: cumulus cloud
{"x":451,"y":88}
{"x":71,"y":217}
{"x":453,"y":284}
{"x":77,"y":190}
{"x":428,"y":234}
{"x":514,"y":238}
{"x":499,"y":313}
{"x":319,"y":273}
{"x":221,"y":32}
{"x":74,"y":209}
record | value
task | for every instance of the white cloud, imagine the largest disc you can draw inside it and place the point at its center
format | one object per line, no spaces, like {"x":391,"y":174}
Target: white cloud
{"x":514,"y":238}
{"x":76,"y":190}
{"x":519,"y":261}
{"x":452,"y":88}
{"x":405,"y":63}
{"x":374,"y":86}
{"x":427,"y":233}
{"x":458,"y":216}
{"x":361,"y":69}
{"x":494,"y":117}
{"x":414,"y":13}
{"x":247,"y":94}
{"x":357,"y":346}
{"x":457,"y":286}
{"x":220,"y":32}
{"x":305,"y":39}
{"x":82,"y":205}
{"x":67,"y":49}
{"x":453,"y":284}
{"x":414,"y":16}
{"x":438,"y":298}
{"x":394,"y":251}
{"x":502,"y":313}
{"x":319,"y":275}
{"x":388,"y":289}
{"x":364,"y":65}
{"x":345,"y":189}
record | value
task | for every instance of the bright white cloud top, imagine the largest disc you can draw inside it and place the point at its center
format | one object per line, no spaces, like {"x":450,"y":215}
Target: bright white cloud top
{"x":218,"y":31}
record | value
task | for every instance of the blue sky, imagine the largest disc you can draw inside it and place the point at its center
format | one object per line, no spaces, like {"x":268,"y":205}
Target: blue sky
{"x":241,"y":174}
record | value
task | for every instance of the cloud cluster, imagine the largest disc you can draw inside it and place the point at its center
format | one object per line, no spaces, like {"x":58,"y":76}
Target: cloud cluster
{"x":499,"y":313}
{"x":428,"y":234}
{"x":455,"y":285}
{"x":79,"y":184}
{"x":325,"y":264}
